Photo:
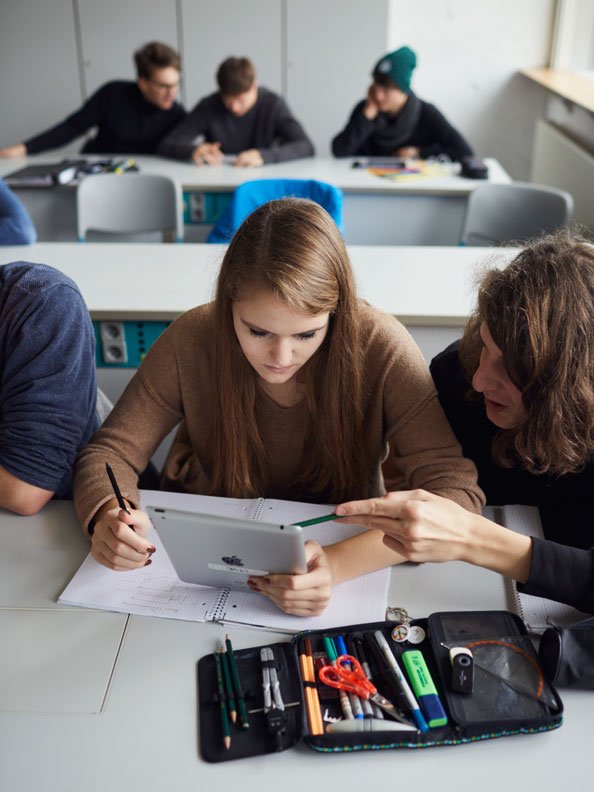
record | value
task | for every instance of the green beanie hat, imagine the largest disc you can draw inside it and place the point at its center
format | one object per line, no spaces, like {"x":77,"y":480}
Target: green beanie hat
{"x":398,"y":66}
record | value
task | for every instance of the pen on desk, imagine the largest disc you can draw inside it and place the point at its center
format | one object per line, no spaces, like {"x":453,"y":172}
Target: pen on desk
{"x":362,"y":657}
{"x":116,"y":489}
{"x":413,"y":704}
{"x":314,"y":714}
{"x":365,"y":703}
{"x":354,"y":699}
{"x":312,"y":678}
{"x":222,"y":702}
{"x":228,"y":685}
{"x":345,"y":704}
{"x":245,"y":724}
{"x":316,"y":520}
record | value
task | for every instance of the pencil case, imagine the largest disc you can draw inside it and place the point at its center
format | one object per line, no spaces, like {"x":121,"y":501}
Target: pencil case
{"x":485,"y":671}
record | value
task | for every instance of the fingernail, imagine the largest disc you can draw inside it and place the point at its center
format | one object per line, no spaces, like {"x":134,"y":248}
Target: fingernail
{"x":146,"y":563}
{"x":340,"y":510}
{"x":150,"y":550}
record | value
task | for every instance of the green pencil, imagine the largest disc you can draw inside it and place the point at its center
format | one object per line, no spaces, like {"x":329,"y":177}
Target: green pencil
{"x":228,"y":685}
{"x":316,"y":520}
{"x":222,"y":702}
{"x":243,"y":716}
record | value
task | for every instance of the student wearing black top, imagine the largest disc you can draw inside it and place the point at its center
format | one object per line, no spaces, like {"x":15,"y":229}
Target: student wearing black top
{"x":518,"y":391}
{"x":393,"y":121}
{"x":241,"y":119}
{"x":131,"y":117}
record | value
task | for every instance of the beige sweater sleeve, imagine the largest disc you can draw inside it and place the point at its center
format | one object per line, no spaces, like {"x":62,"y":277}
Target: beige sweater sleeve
{"x":148,"y":409}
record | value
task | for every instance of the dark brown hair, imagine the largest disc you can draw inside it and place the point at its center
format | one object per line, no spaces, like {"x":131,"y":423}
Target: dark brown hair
{"x":540,"y":313}
{"x":235,"y":76}
{"x":293,"y":248}
{"x":155,"y":55}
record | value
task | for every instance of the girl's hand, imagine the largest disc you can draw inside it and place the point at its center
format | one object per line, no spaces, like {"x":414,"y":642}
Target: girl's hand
{"x":116,"y":544}
{"x":300,"y":595}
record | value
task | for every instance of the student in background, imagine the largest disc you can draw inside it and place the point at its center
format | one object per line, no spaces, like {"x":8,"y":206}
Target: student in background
{"x":288,"y":386}
{"x":131,"y":117}
{"x":393,"y":121}
{"x":241,"y":118}
{"x":519,"y":393}
{"x":47,"y":386}
{"x":16,"y":227}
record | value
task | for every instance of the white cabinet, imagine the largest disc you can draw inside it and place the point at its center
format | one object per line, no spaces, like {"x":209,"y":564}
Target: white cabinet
{"x":40,"y":81}
{"x":214,"y":31}
{"x":332,"y":46}
{"x":112,"y":30}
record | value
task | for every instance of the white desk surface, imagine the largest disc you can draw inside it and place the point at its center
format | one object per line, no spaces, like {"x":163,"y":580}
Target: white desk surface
{"x":420,"y":285}
{"x":145,"y":736}
{"x":224,"y":178}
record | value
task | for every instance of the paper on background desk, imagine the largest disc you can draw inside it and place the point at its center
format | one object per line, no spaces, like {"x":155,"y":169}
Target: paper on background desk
{"x":157,"y":591}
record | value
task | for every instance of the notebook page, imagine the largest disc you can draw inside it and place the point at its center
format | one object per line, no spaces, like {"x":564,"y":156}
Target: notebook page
{"x":238,"y":508}
{"x":538,"y":613}
{"x":154,"y":590}
{"x":363,"y":599}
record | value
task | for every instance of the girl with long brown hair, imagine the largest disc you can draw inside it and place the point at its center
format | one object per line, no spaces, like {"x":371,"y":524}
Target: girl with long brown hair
{"x":518,"y":391}
{"x":287,"y":386}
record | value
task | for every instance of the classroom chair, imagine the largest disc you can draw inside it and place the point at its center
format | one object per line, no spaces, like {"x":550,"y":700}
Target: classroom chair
{"x":252,"y":194}
{"x":129,"y":203}
{"x":497,"y":213}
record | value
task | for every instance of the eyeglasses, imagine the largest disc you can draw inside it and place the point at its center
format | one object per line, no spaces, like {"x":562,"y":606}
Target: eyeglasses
{"x":166,"y":87}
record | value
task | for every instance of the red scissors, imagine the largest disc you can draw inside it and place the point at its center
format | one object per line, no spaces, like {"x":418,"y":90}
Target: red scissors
{"x":346,"y":674}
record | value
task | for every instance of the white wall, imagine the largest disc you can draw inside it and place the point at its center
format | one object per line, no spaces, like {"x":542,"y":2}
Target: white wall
{"x":468,"y":55}
{"x":319,"y":53}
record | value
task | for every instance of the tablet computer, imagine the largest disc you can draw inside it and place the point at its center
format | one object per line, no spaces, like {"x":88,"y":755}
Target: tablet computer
{"x":225,"y":552}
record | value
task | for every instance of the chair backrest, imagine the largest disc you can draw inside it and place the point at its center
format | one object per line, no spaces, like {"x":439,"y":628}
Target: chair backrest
{"x":129,"y":203}
{"x":250,"y":195}
{"x":498,"y":213}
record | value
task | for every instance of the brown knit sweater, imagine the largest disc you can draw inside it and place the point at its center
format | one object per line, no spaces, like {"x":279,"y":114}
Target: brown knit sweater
{"x":174,"y":384}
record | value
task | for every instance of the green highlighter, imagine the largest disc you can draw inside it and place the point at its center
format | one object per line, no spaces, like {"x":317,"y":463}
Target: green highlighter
{"x":424,"y":688}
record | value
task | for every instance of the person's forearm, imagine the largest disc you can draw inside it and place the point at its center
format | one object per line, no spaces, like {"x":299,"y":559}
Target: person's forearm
{"x":363,"y":553}
{"x":499,"y":549}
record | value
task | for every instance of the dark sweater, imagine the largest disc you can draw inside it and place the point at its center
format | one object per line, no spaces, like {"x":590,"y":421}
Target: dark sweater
{"x":48,"y":389}
{"x":16,"y":227}
{"x":432,"y":135}
{"x":562,"y":565}
{"x":268,"y":126}
{"x":126,"y":123}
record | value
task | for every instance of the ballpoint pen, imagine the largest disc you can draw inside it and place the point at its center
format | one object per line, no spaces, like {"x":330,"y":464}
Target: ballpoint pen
{"x":413,"y":704}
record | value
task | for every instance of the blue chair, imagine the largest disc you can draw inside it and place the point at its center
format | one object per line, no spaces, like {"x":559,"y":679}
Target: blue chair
{"x":250,"y":195}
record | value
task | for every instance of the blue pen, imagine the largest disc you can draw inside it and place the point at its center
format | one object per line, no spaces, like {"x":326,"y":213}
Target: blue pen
{"x":413,"y":704}
{"x":353,"y":698}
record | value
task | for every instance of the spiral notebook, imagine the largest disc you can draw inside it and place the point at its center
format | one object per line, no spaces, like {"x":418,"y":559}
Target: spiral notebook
{"x":538,"y":613}
{"x":157,"y":591}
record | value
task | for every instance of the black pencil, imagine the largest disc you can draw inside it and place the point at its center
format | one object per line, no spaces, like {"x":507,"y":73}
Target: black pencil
{"x":116,"y":489}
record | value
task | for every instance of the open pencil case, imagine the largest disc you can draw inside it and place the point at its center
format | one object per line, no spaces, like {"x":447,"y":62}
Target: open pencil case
{"x":504,"y":692}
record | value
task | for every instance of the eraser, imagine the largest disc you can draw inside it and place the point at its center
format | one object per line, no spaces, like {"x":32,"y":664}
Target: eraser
{"x":462,"y":669}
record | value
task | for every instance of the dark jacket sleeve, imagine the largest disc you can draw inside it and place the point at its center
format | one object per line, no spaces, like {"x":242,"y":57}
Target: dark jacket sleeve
{"x":348,"y":142}
{"x":444,"y":138}
{"x":75,"y":125}
{"x":48,"y":397}
{"x":290,"y":140}
{"x":561,"y":573}
{"x":16,"y":227}
{"x":179,"y":143}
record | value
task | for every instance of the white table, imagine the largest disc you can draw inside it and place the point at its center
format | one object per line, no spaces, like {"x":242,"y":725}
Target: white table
{"x":430,"y":289}
{"x":428,"y":211}
{"x":127,"y":719}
